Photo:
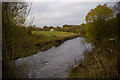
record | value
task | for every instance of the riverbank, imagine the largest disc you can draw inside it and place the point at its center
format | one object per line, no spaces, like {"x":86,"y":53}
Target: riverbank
{"x":102,"y":62}
{"x":43,"y":41}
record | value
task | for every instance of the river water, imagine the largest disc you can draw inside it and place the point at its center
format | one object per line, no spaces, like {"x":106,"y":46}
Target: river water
{"x":54,"y":62}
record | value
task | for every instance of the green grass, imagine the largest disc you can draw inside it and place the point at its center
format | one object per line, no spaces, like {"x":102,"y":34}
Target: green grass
{"x":52,"y":35}
{"x":41,"y":41}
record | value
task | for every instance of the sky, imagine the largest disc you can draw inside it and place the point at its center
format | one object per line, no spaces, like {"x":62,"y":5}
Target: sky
{"x":56,"y":13}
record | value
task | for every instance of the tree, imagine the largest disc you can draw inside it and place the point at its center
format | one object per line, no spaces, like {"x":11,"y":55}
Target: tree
{"x":116,"y":8}
{"x":99,"y":13}
{"x":16,"y":12}
{"x":14,"y":15}
{"x":82,"y":29}
{"x":96,"y":28}
{"x":45,"y":28}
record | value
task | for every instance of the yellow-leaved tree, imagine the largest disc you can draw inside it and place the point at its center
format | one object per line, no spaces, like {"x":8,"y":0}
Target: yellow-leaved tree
{"x":96,"y":23}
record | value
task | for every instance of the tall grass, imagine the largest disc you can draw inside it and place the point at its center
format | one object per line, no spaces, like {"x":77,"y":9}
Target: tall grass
{"x":102,"y":62}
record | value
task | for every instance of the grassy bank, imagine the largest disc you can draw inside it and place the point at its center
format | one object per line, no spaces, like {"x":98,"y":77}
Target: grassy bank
{"x":102,"y":62}
{"x":43,"y":40}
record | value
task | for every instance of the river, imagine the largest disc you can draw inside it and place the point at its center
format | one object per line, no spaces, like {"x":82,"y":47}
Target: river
{"x":54,"y":62}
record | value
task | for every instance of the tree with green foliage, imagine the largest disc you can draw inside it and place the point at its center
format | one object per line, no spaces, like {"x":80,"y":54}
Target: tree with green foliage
{"x":96,"y":28}
{"x":14,"y":15}
{"x":46,"y":28}
{"x":82,"y":29}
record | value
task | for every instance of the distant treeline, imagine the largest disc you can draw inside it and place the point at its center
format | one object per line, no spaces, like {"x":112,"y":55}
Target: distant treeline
{"x":65,"y":28}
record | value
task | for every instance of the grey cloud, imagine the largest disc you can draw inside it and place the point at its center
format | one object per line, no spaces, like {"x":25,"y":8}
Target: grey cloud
{"x":59,"y":13}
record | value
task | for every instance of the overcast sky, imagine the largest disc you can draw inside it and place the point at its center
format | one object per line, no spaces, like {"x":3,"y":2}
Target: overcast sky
{"x":60,"y":13}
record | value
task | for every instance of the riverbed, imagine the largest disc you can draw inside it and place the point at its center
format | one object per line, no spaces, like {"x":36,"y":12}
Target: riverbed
{"x":54,"y":62}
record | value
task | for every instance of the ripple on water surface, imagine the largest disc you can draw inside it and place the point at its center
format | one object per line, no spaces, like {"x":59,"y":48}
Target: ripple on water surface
{"x":54,"y":62}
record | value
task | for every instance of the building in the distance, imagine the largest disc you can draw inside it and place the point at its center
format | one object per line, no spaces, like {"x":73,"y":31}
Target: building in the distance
{"x":51,"y":29}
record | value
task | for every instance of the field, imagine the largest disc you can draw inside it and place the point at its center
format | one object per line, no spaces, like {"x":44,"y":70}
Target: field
{"x":47,"y":36}
{"x":43,"y":40}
